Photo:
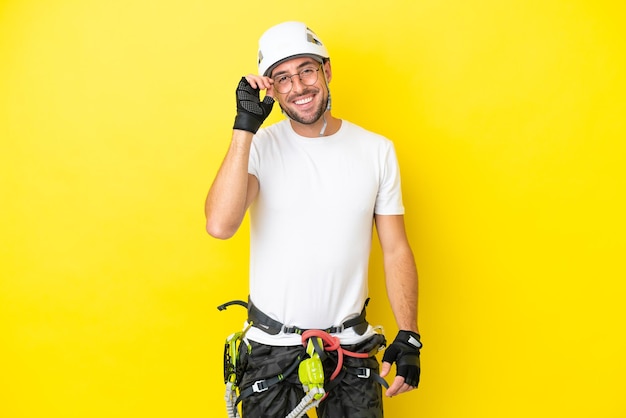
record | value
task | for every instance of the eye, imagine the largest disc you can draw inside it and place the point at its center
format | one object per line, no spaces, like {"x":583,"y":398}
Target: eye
{"x":281,"y":79}
{"x":307,"y":72}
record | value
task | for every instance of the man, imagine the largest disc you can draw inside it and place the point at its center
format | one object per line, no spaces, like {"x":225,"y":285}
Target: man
{"x":315,"y":184}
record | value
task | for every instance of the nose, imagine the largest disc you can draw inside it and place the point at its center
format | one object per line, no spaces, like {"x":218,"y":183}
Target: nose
{"x":296,"y":83}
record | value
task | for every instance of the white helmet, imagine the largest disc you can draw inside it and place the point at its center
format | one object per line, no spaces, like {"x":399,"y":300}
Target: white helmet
{"x":288,"y":40}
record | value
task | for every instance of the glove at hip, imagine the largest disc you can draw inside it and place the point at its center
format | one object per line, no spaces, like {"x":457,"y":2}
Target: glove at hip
{"x":405,"y":352}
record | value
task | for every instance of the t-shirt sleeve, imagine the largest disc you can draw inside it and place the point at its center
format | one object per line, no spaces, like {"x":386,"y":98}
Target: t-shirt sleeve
{"x":389,"y":198}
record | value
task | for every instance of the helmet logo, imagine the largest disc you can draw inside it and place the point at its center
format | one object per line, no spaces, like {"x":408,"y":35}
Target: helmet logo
{"x":260,"y":57}
{"x":311,"y":37}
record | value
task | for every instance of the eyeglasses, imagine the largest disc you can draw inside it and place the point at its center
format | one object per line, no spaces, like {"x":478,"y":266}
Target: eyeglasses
{"x":308,"y":76}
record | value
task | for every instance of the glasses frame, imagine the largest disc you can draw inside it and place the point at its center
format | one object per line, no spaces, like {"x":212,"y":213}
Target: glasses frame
{"x":299,"y":74}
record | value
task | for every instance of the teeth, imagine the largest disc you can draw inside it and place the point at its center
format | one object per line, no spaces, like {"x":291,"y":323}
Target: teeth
{"x":303,"y":101}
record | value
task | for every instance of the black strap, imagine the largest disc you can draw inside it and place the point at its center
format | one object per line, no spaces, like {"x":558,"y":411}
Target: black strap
{"x":366,"y":373}
{"x":260,"y":320}
{"x":264,"y":384}
{"x":361,"y":372}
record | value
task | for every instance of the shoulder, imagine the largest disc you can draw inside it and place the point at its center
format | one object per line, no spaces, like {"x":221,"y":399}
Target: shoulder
{"x":361,"y":132}
{"x":366,"y":137}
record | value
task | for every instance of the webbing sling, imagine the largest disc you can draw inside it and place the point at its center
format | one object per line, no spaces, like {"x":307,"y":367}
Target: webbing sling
{"x":260,"y":320}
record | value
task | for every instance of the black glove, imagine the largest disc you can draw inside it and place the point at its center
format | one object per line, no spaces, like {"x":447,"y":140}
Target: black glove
{"x":405,"y":352}
{"x":251,"y":111}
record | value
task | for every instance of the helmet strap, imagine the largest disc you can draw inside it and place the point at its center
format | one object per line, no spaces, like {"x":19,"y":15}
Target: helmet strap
{"x":323,"y":126}
{"x":327,"y":103}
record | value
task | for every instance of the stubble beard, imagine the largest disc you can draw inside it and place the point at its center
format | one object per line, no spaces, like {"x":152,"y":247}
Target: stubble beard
{"x":307,"y":119}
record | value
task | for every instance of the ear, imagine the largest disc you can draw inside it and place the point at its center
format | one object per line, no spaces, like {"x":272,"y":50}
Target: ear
{"x":327,"y":70}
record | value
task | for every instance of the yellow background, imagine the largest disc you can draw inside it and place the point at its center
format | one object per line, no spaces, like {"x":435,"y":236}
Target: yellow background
{"x":508,"y":118}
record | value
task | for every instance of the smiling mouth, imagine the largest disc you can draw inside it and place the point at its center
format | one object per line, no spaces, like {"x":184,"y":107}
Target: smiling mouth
{"x":304,"y":101}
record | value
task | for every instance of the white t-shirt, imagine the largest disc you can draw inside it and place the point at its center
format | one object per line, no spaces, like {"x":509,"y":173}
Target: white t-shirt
{"x":311,"y":225}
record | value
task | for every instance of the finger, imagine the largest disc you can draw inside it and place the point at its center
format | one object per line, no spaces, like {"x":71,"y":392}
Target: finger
{"x":258,"y":82}
{"x":252,"y":80}
{"x":266,"y":83}
{"x":405,"y":388}
{"x":396,"y":387}
{"x":386,"y":367}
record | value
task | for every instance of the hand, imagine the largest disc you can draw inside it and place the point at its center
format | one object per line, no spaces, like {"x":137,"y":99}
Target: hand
{"x":251,"y":111}
{"x":261,"y":83}
{"x":405,"y":352}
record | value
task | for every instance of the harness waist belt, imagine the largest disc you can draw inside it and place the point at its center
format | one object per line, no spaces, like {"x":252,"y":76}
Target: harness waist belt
{"x":260,"y":320}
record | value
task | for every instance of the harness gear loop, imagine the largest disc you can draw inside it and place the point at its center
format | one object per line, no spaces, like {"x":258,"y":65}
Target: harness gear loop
{"x":223,"y":306}
{"x":231,"y":359}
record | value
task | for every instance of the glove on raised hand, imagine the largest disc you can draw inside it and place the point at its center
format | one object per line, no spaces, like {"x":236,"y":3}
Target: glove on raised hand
{"x":405,"y":352}
{"x":251,"y":111}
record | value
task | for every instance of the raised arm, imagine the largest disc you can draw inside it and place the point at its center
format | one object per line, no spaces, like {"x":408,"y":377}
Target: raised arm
{"x":233,"y":189}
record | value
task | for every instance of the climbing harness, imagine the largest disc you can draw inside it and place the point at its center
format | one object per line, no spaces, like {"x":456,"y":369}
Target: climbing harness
{"x":260,"y":320}
{"x":318,"y":343}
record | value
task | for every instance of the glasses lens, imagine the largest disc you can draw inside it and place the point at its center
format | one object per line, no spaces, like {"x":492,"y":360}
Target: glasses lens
{"x":308,"y":76}
{"x":284,"y":83}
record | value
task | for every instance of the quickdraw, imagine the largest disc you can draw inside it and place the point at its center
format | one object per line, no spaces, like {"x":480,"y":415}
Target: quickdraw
{"x":231,"y":359}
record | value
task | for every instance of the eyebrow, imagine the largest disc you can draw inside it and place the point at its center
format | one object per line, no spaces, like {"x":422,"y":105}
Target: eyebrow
{"x":311,"y":61}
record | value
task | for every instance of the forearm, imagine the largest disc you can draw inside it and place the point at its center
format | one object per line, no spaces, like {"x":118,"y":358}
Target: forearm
{"x":227,"y":200}
{"x":402,"y":287}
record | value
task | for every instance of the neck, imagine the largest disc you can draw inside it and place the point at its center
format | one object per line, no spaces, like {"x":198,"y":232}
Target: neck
{"x":324,"y":126}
